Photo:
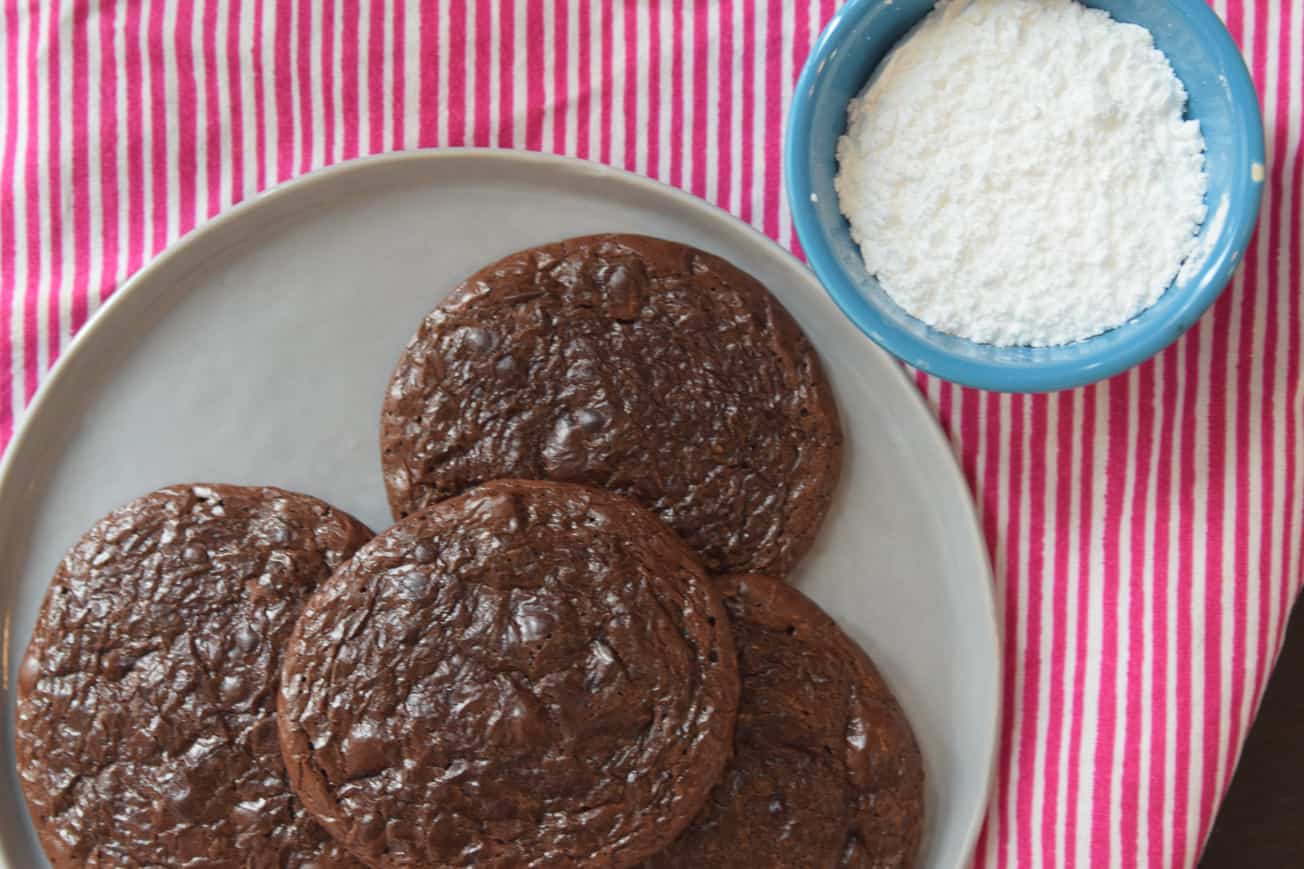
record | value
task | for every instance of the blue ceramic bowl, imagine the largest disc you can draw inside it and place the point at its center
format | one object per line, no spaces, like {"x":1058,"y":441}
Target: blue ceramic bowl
{"x":1222,"y":98}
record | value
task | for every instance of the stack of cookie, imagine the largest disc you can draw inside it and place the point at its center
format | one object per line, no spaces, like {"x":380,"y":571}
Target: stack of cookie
{"x":574,"y":648}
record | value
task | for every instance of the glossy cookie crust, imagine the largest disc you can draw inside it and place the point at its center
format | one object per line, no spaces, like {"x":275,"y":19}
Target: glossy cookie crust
{"x":146,"y":731}
{"x":528,"y":674}
{"x":825,"y":770}
{"x":630,"y":363}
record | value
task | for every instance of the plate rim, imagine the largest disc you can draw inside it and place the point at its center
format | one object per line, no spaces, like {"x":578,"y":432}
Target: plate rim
{"x":192,"y":241}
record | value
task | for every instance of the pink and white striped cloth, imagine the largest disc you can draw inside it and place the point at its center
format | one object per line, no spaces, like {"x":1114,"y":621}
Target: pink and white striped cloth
{"x":1146,"y":532}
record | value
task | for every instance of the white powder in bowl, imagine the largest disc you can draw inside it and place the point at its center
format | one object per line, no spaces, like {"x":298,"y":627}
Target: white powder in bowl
{"x":1018,"y":172}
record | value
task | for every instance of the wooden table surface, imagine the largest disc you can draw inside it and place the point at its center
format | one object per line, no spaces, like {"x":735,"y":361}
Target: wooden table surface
{"x":1262,"y":820}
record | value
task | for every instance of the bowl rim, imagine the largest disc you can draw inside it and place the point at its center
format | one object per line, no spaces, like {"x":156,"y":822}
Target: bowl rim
{"x":1053,"y":375}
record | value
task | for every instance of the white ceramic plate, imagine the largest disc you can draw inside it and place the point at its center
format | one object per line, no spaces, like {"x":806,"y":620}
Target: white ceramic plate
{"x":257,"y":349}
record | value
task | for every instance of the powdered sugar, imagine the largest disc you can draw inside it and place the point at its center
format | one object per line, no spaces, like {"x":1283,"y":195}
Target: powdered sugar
{"x":1019,"y":172}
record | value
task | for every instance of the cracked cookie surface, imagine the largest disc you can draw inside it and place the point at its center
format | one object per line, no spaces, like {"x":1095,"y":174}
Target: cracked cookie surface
{"x":630,"y":363}
{"x":146,"y":731}
{"x":825,"y":769}
{"x":528,"y":674}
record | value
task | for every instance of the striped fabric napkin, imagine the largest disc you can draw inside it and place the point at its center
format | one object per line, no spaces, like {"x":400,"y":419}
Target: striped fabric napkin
{"x":1146,"y":532}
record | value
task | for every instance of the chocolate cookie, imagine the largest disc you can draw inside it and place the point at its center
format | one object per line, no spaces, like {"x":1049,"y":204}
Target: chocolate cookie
{"x":146,"y":732}
{"x":825,"y":769}
{"x":630,"y":363}
{"x":528,"y":674}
